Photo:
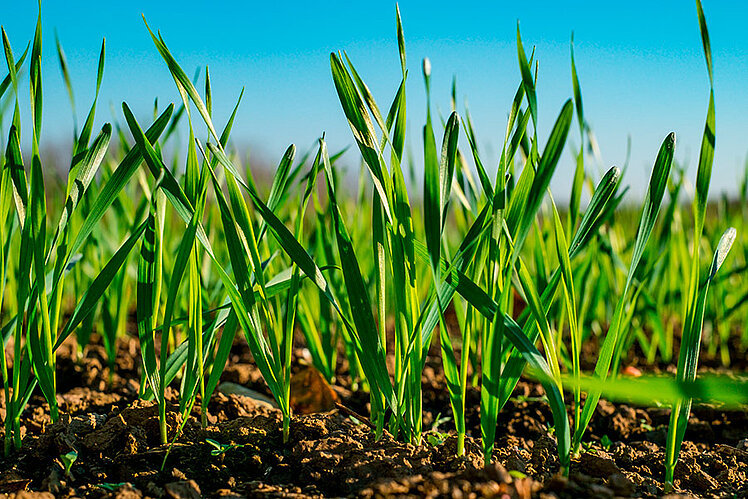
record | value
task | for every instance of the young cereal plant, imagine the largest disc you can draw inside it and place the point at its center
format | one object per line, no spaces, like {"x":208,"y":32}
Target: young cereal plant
{"x":697,"y":287}
{"x":271,"y":353}
{"x":394,"y":249}
{"x":612,"y":344}
{"x":40,"y":305}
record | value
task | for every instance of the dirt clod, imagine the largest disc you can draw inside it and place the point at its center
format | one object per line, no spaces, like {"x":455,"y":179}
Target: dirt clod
{"x":185,"y":489}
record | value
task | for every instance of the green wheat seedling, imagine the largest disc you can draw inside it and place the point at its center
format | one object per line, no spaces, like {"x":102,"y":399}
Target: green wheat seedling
{"x":271,"y":353}
{"x":514,"y":208}
{"x":689,"y":356}
{"x":37,"y":320}
{"x":39,"y":311}
{"x":697,"y":287}
{"x":190,"y":207}
{"x":393,"y":245}
{"x":360,"y":274}
{"x":355,"y":99}
{"x":323,"y":329}
{"x":612,"y":344}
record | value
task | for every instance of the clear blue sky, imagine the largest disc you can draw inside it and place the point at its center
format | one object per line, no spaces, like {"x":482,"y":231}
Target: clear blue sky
{"x":640,"y":64}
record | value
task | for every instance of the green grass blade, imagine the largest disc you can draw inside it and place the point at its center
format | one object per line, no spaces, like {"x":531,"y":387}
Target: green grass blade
{"x":539,"y":314}
{"x":15,"y":68}
{"x":705,"y":42}
{"x":380,"y":275}
{"x":596,"y":211}
{"x":460,"y":262}
{"x":114,"y":184}
{"x":82,"y":142}
{"x":363,"y":130}
{"x":285,"y":238}
{"x":85,"y":173}
{"x":170,"y":186}
{"x":704,"y":174}
{"x":452,"y":375}
{"x":208,"y":93}
{"x":368,"y":344}
{"x":431,"y":194}
{"x":400,"y":38}
{"x":183,"y":82}
{"x":726,"y":392}
{"x":222,"y":355}
{"x":44,"y":341}
{"x":397,"y":115}
{"x":602,"y":199}
{"x":240,"y":265}
{"x":562,"y":252}
{"x":65,"y":78}
{"x":523,"y":207}
{"x":183,"y":255}
{"x":578,"y":181}
{"x":279,"y":186}
{"x":485,"y":182}
{"x":482,"y":302}
{"x":527,"y":80}
{"x":145,"y":301}
{"x":577,"y":90}
{"x":447,"y":165}
{"x":555,"y":399}
{"x":402,"y":253}
{"x":14,"y":162}
{"x":35,"y":80}
{"x":650,"y":210}
{"x":368,"y":98}
{"x":689,"y":355}
{"x":87,"y":303}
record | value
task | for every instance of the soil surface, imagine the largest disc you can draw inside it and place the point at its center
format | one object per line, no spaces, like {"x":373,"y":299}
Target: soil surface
{"x":333,"y":453}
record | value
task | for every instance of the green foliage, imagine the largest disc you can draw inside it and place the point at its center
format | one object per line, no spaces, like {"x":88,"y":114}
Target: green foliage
{"x":516,"y":284}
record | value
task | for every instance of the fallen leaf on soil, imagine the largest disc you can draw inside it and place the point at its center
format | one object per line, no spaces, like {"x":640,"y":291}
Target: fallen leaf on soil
{"x":310,"y":393}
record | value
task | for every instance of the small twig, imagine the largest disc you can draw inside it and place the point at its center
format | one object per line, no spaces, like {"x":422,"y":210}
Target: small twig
{"x":350,"y":412}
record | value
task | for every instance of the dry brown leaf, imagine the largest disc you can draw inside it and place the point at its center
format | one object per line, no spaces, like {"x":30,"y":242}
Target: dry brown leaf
{"x":310,"y":392}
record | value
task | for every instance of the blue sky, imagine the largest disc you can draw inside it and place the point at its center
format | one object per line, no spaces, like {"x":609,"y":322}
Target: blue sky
{"x":640,"y":64}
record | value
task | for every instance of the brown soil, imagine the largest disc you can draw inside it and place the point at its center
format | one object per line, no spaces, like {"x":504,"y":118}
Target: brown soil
{"x":333,"y":454}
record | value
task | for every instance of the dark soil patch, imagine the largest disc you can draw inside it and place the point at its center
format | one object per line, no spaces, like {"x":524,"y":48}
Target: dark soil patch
{"x":116,"y":437}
